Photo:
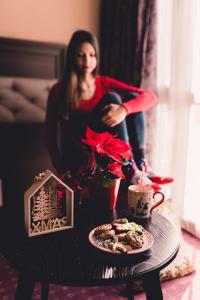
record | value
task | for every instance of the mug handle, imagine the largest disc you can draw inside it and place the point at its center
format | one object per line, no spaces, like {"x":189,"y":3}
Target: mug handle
{"x":158,"y":202}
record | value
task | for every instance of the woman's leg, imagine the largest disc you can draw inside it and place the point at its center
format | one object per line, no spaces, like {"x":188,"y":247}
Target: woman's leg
{"x":136,"y":126}
{"x":97,"y":125}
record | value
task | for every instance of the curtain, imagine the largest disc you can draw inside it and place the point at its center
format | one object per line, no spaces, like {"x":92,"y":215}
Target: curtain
{"x":128,"y":46}
{"x":128,"y":40}
{"x":118,"y":39}
{"x":178,"y":111}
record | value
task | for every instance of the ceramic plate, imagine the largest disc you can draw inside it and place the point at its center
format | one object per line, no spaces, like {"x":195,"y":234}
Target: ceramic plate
{"x":147,"y":238}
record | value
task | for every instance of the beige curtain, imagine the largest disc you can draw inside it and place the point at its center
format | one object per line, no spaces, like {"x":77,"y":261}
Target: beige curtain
{"x":178,"y":111}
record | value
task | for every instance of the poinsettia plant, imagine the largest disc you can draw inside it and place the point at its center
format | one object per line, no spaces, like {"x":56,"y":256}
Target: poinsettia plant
{"x":106,"y":154}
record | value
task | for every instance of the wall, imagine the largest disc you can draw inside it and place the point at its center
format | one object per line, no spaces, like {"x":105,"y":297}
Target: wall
{"x":47,"y":20}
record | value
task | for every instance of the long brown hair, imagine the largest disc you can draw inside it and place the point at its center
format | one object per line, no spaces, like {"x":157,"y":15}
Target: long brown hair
{"x":69,"y":90}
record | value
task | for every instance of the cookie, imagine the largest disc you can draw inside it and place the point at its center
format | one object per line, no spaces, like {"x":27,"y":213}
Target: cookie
{"x":102,"y":228}
{"x":119,"y":221}
{"x":121,"y":236}
{"x":136,"y":241}
{"x":105,"y":235}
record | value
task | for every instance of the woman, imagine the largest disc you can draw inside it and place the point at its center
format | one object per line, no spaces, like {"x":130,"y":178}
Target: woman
{"x":84,"y":99}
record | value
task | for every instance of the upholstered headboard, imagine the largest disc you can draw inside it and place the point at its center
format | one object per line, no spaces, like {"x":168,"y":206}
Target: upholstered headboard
{"x":33,"y":59}
{"x":28,"y":69}
{"x":23,"y":100}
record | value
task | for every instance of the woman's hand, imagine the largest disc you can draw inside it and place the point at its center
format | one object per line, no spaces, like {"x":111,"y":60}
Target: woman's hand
{"x":114,"y":114}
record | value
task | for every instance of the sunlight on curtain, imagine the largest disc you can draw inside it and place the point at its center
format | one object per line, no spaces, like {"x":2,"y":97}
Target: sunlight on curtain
{"x":178,"y":110}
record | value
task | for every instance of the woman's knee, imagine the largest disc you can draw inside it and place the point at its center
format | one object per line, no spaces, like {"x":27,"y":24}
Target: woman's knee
{"x":130,"y":95}
{"x":112,"y":97}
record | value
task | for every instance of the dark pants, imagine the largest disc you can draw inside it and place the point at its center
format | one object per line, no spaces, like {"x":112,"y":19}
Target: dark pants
{"x":132,"y":130}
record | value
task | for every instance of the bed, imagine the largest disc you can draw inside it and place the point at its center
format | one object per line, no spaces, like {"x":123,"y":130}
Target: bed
{"x":28,"y":69}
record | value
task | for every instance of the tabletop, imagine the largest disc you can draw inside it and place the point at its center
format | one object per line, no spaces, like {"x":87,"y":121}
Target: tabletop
{"x":67,"y":257}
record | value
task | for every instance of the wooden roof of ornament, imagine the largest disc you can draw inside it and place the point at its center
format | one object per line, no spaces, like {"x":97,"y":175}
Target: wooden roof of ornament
{"x":40,"y":181}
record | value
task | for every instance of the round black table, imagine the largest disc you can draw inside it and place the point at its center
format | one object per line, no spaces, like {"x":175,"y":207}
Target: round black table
{"x":67,"y":258}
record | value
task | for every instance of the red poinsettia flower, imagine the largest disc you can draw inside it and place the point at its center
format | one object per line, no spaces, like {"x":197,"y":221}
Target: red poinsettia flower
{"x":107,"y":144}
{"x":116,"y":169}
{"x":105,"y":155}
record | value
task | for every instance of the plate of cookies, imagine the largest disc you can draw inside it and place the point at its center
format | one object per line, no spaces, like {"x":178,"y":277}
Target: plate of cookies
{"x":121,"y":237}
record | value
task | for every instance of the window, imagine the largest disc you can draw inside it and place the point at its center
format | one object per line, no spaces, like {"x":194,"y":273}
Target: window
{"x":178,"y":110}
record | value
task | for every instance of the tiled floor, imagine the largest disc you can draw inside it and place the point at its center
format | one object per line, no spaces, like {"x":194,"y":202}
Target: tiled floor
{"x":186,"y":288}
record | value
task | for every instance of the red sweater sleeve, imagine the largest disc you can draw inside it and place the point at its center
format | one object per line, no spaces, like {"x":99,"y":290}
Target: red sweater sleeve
{"x":144,"y":101}
{"x":51,"y":132}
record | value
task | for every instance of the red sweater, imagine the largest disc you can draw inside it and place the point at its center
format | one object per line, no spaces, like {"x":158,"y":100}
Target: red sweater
{"x":105,"y":84}
{"x":144,"y":101}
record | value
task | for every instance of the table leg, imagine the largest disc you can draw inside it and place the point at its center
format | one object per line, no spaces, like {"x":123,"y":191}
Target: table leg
{"x":130,"y":292}
{"x":152,"y":286}
{"x":25,"y":288}
{"x":45,"y":291}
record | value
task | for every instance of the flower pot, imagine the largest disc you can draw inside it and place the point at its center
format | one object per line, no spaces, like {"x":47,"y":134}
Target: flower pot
{"x":104,"y":196}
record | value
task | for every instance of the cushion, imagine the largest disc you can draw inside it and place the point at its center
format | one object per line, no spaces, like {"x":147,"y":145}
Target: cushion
{"x":23,"y":100}
{"x":181,"y":265}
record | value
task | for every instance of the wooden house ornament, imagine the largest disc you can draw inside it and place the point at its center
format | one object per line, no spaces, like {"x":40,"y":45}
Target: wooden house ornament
{"x":49,"y":205}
